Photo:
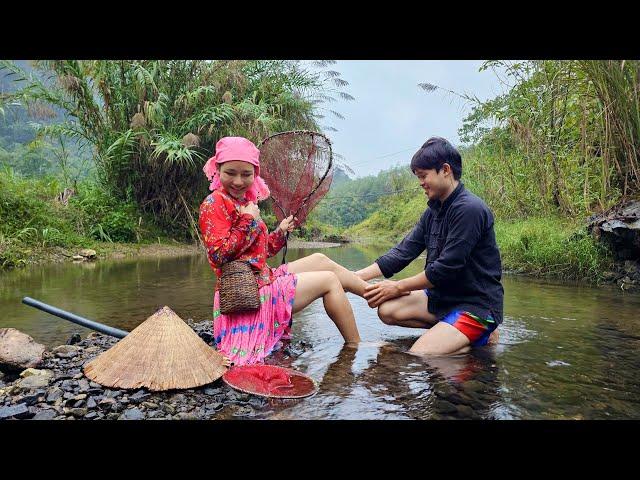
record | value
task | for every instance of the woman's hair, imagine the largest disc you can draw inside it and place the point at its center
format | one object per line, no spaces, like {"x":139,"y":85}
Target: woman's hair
{"x":434,"y":153}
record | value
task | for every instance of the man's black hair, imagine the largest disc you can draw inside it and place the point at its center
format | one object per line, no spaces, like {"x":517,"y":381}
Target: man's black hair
{"x":436,"y":152}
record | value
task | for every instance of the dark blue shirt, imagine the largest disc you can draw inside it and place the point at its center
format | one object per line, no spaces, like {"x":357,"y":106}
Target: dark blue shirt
{"x":463,"y":260}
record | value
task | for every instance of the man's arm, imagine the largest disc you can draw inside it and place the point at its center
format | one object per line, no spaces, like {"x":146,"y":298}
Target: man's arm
{"x":388,"y":289}
{"x":372,"y":271}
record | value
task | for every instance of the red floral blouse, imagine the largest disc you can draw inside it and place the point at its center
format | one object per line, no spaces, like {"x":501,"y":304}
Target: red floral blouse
{"x":230,"y":236}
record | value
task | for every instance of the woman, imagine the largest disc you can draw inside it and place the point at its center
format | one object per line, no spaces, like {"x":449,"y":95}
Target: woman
{"x":233,"y":230}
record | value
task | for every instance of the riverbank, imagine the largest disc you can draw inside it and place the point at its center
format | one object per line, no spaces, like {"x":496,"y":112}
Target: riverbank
{"x":58,"y":390}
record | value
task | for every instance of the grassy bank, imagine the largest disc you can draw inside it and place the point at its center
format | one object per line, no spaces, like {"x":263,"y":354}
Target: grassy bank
{"x":549,"y":246}
{"x":35,"y":226}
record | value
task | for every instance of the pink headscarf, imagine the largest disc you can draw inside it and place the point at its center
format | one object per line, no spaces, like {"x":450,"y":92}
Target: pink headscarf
{"x":237,"y":148}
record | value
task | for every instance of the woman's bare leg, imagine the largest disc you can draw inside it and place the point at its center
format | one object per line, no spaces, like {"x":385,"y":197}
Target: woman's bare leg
{"x":313,"y":285}
{"x":319,"y":262}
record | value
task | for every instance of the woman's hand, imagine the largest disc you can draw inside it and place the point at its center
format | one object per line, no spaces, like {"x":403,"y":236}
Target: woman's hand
{"x":288,"y":224}
{"x":250,"y":208}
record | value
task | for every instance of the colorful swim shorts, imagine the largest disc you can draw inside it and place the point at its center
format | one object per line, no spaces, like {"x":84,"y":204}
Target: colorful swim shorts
{"x":476,"y":329}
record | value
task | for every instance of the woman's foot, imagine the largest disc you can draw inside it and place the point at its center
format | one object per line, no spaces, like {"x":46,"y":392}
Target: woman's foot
{"x":226,"y":361}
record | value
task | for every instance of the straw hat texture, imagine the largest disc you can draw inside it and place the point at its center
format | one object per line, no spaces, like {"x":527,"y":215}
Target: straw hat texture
{"x":162,"y":353}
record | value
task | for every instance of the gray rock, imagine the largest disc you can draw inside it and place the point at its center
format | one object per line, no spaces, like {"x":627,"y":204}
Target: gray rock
{"x":214,"y":407}
{"x":212,"y":391}
{"x":187,"y":416}
{"x":33,"y":398}
{"x":18,"y":351}
{"x":95,"y":385}
{"x":91,"y":403}
{"x":83,"y":386}
{"x":77,"y":412}
{"x":66,"y":351}
{"x":170,"y":409}
{"x":77,"y":376}
{"x":45,"y":415}
{"x":132,"y":414}
{"x":32,"y":371}
{"x":68,"y":395}
{"x":69,"y":385}
{"x":107,"y":403}
{"x":178,"y":398}
{"x":32,"y":382}
{"x":78,"y":403}
{"x":17,"y":411}
{"x":91,"y":415}
{"x":88,"y":253}
{"x":150,"y":405}
{"x":139,"y":396}
{"x":245,"y":412}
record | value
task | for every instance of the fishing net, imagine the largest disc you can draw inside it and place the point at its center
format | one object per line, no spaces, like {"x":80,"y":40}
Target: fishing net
{"x":298,"y":168}
{"x":270,"y":381}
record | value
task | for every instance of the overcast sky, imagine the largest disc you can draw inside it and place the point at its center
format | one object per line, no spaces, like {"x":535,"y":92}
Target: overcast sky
{"x":392,"y":114}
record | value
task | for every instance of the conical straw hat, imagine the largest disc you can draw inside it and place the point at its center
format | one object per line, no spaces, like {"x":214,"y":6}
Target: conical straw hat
{"x":161,"y":353}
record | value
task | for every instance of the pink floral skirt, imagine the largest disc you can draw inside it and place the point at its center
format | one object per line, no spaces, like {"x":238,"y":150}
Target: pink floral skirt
{"x":248,"y":337}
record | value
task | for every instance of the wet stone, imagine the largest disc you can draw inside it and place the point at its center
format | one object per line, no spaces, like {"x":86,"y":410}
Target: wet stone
{"x":73,"y":339}
{"x":16,"y":411}
{"x":442,"y":406}
{"x":33,"y":398}
{"x":139,"y":396}
{"x":465,"y":411}
{"x":45,"y":415}
{"x":473,"y":386}
{"x":244,"y":412}
{"x":214,"y":407}
{"x":69,"y":385}
{"x":132,"y":414}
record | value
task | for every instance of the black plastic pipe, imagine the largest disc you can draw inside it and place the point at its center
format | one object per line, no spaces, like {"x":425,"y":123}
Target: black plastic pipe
{"x":85,"y":322}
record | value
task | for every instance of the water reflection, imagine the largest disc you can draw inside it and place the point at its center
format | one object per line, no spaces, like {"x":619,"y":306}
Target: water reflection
{"x":565,"y":351}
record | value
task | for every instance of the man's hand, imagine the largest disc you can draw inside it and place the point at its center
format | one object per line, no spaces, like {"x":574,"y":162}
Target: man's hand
{"x":381,"y":292}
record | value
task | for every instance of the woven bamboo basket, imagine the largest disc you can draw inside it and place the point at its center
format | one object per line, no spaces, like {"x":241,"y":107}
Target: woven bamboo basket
{"x":238,"y":288}
{"x":162,"y":353}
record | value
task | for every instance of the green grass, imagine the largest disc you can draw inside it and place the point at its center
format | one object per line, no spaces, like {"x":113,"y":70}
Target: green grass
{"x":551,"y":247}
{"x":31,"y":220}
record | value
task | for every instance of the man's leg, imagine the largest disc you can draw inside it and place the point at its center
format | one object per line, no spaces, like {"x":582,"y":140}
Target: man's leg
{"x":411,"y":311}
{"x":408,"y":311}
{"x":441,"y":339}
